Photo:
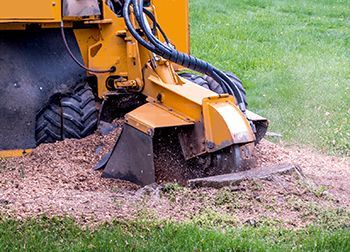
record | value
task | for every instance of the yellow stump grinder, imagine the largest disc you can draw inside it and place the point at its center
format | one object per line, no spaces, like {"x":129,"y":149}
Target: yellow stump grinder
{"x":66,"y":65}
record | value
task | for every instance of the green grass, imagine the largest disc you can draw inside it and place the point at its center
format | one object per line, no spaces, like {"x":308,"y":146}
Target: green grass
{"x":65,"y":235}
{"x":293,"y":57}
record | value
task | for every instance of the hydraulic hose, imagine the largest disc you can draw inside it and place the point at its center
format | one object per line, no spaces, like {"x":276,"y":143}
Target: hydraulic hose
{"x":167,"y":52}
{"x":111,"y":70}
{"x":156,"y":25}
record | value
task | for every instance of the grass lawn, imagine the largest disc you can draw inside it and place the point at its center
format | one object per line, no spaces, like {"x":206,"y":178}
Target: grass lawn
{"x":293,"y":57}
{"x":65,"y":235}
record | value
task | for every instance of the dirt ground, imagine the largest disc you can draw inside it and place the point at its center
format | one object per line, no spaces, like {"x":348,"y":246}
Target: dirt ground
{"x":59,"y":180}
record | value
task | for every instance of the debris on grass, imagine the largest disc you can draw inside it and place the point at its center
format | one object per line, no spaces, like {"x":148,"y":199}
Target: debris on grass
{"x":59,"y":180}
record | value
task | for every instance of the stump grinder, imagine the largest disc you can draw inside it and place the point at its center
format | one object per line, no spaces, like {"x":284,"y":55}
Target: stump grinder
{"x":66,"y":65}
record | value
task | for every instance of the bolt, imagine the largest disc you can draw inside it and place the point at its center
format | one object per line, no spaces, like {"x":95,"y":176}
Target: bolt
{"x":159,"y":97}
{"x":210,"y":145}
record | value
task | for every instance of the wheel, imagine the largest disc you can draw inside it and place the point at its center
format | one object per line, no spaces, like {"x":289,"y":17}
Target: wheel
{"x":49,"y":124}
{"x":203,"y":82}
{"x":241,"y":156}
{"x":235,"y":158}
{"x":171,"y":165}
{"x":209,"y":83}
{"x":72,"y":116}
{"x":79,"y":113}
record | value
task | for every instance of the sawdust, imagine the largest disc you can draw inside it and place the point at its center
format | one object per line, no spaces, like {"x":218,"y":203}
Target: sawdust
{"x":59,"y":180}
{"x":330,"y":172}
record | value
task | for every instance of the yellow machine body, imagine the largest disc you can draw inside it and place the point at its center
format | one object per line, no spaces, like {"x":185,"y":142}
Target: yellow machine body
{"x":38,"y":11}
{"x":213,"y":122}
{"x":102,"y":45}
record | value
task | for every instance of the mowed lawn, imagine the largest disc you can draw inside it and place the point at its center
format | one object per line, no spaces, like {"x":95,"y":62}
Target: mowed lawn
{"x":294,"y":60}
{"x":65,"y":235}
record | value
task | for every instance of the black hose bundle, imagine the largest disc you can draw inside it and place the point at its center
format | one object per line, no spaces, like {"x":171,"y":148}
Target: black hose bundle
{"x":170,"y":53}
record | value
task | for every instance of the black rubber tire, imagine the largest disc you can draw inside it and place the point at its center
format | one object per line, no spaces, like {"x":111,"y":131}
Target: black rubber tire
{"x":80,"y":114}
{"x":209,"y":83}
{"x":49,"y":125}
{"x":203,"y":82}
{"x":234,"y":79}
{"x":73,"y":116}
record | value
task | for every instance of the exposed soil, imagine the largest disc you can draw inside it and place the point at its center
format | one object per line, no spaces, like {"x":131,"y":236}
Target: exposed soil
{"x":58,"y":179}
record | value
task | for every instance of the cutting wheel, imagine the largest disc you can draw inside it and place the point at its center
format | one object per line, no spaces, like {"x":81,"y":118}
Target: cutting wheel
{"x":171,"y":166}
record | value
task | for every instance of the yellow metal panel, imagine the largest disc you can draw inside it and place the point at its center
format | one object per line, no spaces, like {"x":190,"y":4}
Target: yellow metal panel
{"x":85,"y":39}
{"x":16,"y":26}
{"x":102,"y":48}
{"x":13,"y":153}
{"x":151,"y":116}
{"x":184,"y":99}
{"x":124,"y":52}
{"x":34,"y":10}
{"x":224,"y":123}
{"x":173,"y":16}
